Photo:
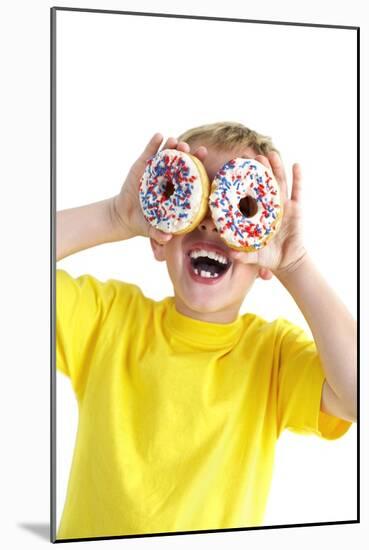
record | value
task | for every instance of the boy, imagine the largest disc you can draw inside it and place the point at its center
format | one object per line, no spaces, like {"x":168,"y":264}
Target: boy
{"x":181,"y":402}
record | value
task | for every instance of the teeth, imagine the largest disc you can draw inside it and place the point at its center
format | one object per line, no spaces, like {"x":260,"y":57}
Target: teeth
{"x":208,"y":275}
{"x":209,"y":254}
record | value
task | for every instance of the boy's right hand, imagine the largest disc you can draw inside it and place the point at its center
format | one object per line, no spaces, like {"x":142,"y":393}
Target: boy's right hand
{"x":126,"y":208}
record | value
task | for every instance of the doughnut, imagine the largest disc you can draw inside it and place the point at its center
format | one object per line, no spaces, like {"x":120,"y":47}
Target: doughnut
{"x":245,"y":204}
{"x":174,"y":191}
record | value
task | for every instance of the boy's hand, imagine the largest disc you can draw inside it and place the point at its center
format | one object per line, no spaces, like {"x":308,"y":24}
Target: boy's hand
{"x":285,"y":250}
{"x":127,"y":214}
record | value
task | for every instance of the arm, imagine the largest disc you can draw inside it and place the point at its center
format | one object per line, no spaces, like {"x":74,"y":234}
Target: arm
{"x":332,"y":326}
{"x":114,"y":219}
{"x":117,"y":218}
{"x":334,"y":332}
{"x":86,"y":226}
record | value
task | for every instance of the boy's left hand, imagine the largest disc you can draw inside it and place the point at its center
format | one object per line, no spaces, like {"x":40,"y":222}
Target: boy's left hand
{"x":285,"y":250}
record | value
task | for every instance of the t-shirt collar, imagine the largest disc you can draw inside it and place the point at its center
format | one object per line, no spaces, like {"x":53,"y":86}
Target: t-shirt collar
{"x":201,"y":333}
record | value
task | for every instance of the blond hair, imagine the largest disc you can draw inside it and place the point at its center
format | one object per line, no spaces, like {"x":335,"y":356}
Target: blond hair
{"x":228,"y":135}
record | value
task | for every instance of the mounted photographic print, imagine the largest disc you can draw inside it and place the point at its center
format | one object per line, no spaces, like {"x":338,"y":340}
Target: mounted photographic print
{"x":204,"y":179}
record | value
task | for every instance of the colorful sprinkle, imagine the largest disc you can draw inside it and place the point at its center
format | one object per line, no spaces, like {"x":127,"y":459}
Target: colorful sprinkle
{"x":173,"y":213}
{"x":240,"y":178}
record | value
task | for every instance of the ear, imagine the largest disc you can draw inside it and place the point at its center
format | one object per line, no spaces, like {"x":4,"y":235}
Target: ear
{"x":265,"y":274}
{"x":158,"y":250}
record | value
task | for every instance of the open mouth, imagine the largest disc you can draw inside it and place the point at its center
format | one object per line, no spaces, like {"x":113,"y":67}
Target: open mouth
{"x":208,"y":264}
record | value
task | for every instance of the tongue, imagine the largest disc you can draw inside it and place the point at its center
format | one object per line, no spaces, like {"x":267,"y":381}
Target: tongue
{"x":205,"y":266}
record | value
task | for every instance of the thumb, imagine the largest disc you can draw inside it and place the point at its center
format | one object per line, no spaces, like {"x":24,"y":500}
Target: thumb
{"x":159,"y":236}
{"x":152,"y":146}
{"x":265,"y":274}
{"x":151,"y":149}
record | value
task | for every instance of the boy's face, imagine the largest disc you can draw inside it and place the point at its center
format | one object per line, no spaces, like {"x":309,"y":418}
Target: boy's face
{"x":213,"y":299}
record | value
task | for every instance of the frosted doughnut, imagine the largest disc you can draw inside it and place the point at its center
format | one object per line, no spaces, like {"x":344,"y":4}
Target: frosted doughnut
{"x":245,"y":204}
{"x":174,"y":191}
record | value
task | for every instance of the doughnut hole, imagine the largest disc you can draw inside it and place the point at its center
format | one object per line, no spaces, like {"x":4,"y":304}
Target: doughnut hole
{"x":169,"y":189}
{"x":248,"y":206}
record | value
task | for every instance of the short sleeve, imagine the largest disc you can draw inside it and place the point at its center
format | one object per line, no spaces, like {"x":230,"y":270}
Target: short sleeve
{"x":84,"y":306}
{"x":300,"y":386}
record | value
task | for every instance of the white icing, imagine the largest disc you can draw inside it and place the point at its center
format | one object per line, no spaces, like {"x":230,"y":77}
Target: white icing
{"x":245,"y":176}
{"x":165,"y":220}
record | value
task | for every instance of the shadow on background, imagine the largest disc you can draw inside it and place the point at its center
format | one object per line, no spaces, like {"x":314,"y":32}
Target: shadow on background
{"x":40,"y":529}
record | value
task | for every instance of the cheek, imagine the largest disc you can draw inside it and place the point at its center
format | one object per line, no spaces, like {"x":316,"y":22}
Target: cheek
{"x":245,"y":273}
{"x":173,"y":253}
{"x":174,"y":261}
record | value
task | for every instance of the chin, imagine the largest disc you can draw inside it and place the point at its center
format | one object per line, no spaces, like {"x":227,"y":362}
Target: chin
{"x":208,"y":302}
{"x":207,"y":299}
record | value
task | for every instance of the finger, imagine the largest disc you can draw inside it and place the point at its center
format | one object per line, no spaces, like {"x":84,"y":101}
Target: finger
{"x":183,"y":146}
{"x":244,"y":257}
{"x":201,"y":153}
{"x":263,"y":160}
{"x":159,"y":236}
{"x":152,"y":147}
{"x":296,"y":183}
{"x":277,"y":166}
{"x":171,"y":143}
{"x":279,"y":173}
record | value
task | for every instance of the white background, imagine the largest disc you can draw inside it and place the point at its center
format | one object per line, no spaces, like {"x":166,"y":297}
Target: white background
{"x":111,"y":97}
{"x":25,"y":231}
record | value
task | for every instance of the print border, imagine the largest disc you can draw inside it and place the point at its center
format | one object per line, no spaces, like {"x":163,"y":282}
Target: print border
{"x":53,"y":160}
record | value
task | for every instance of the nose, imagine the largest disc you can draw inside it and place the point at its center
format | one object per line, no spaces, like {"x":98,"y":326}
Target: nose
{"x":207,"y":223}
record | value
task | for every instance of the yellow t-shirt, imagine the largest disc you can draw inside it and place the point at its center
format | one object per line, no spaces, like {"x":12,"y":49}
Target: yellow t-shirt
{"x":178,"y":418}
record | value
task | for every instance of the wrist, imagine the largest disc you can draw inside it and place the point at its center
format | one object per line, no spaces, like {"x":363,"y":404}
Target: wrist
{"x":120,"y":228}
{"x":291,"y":269}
